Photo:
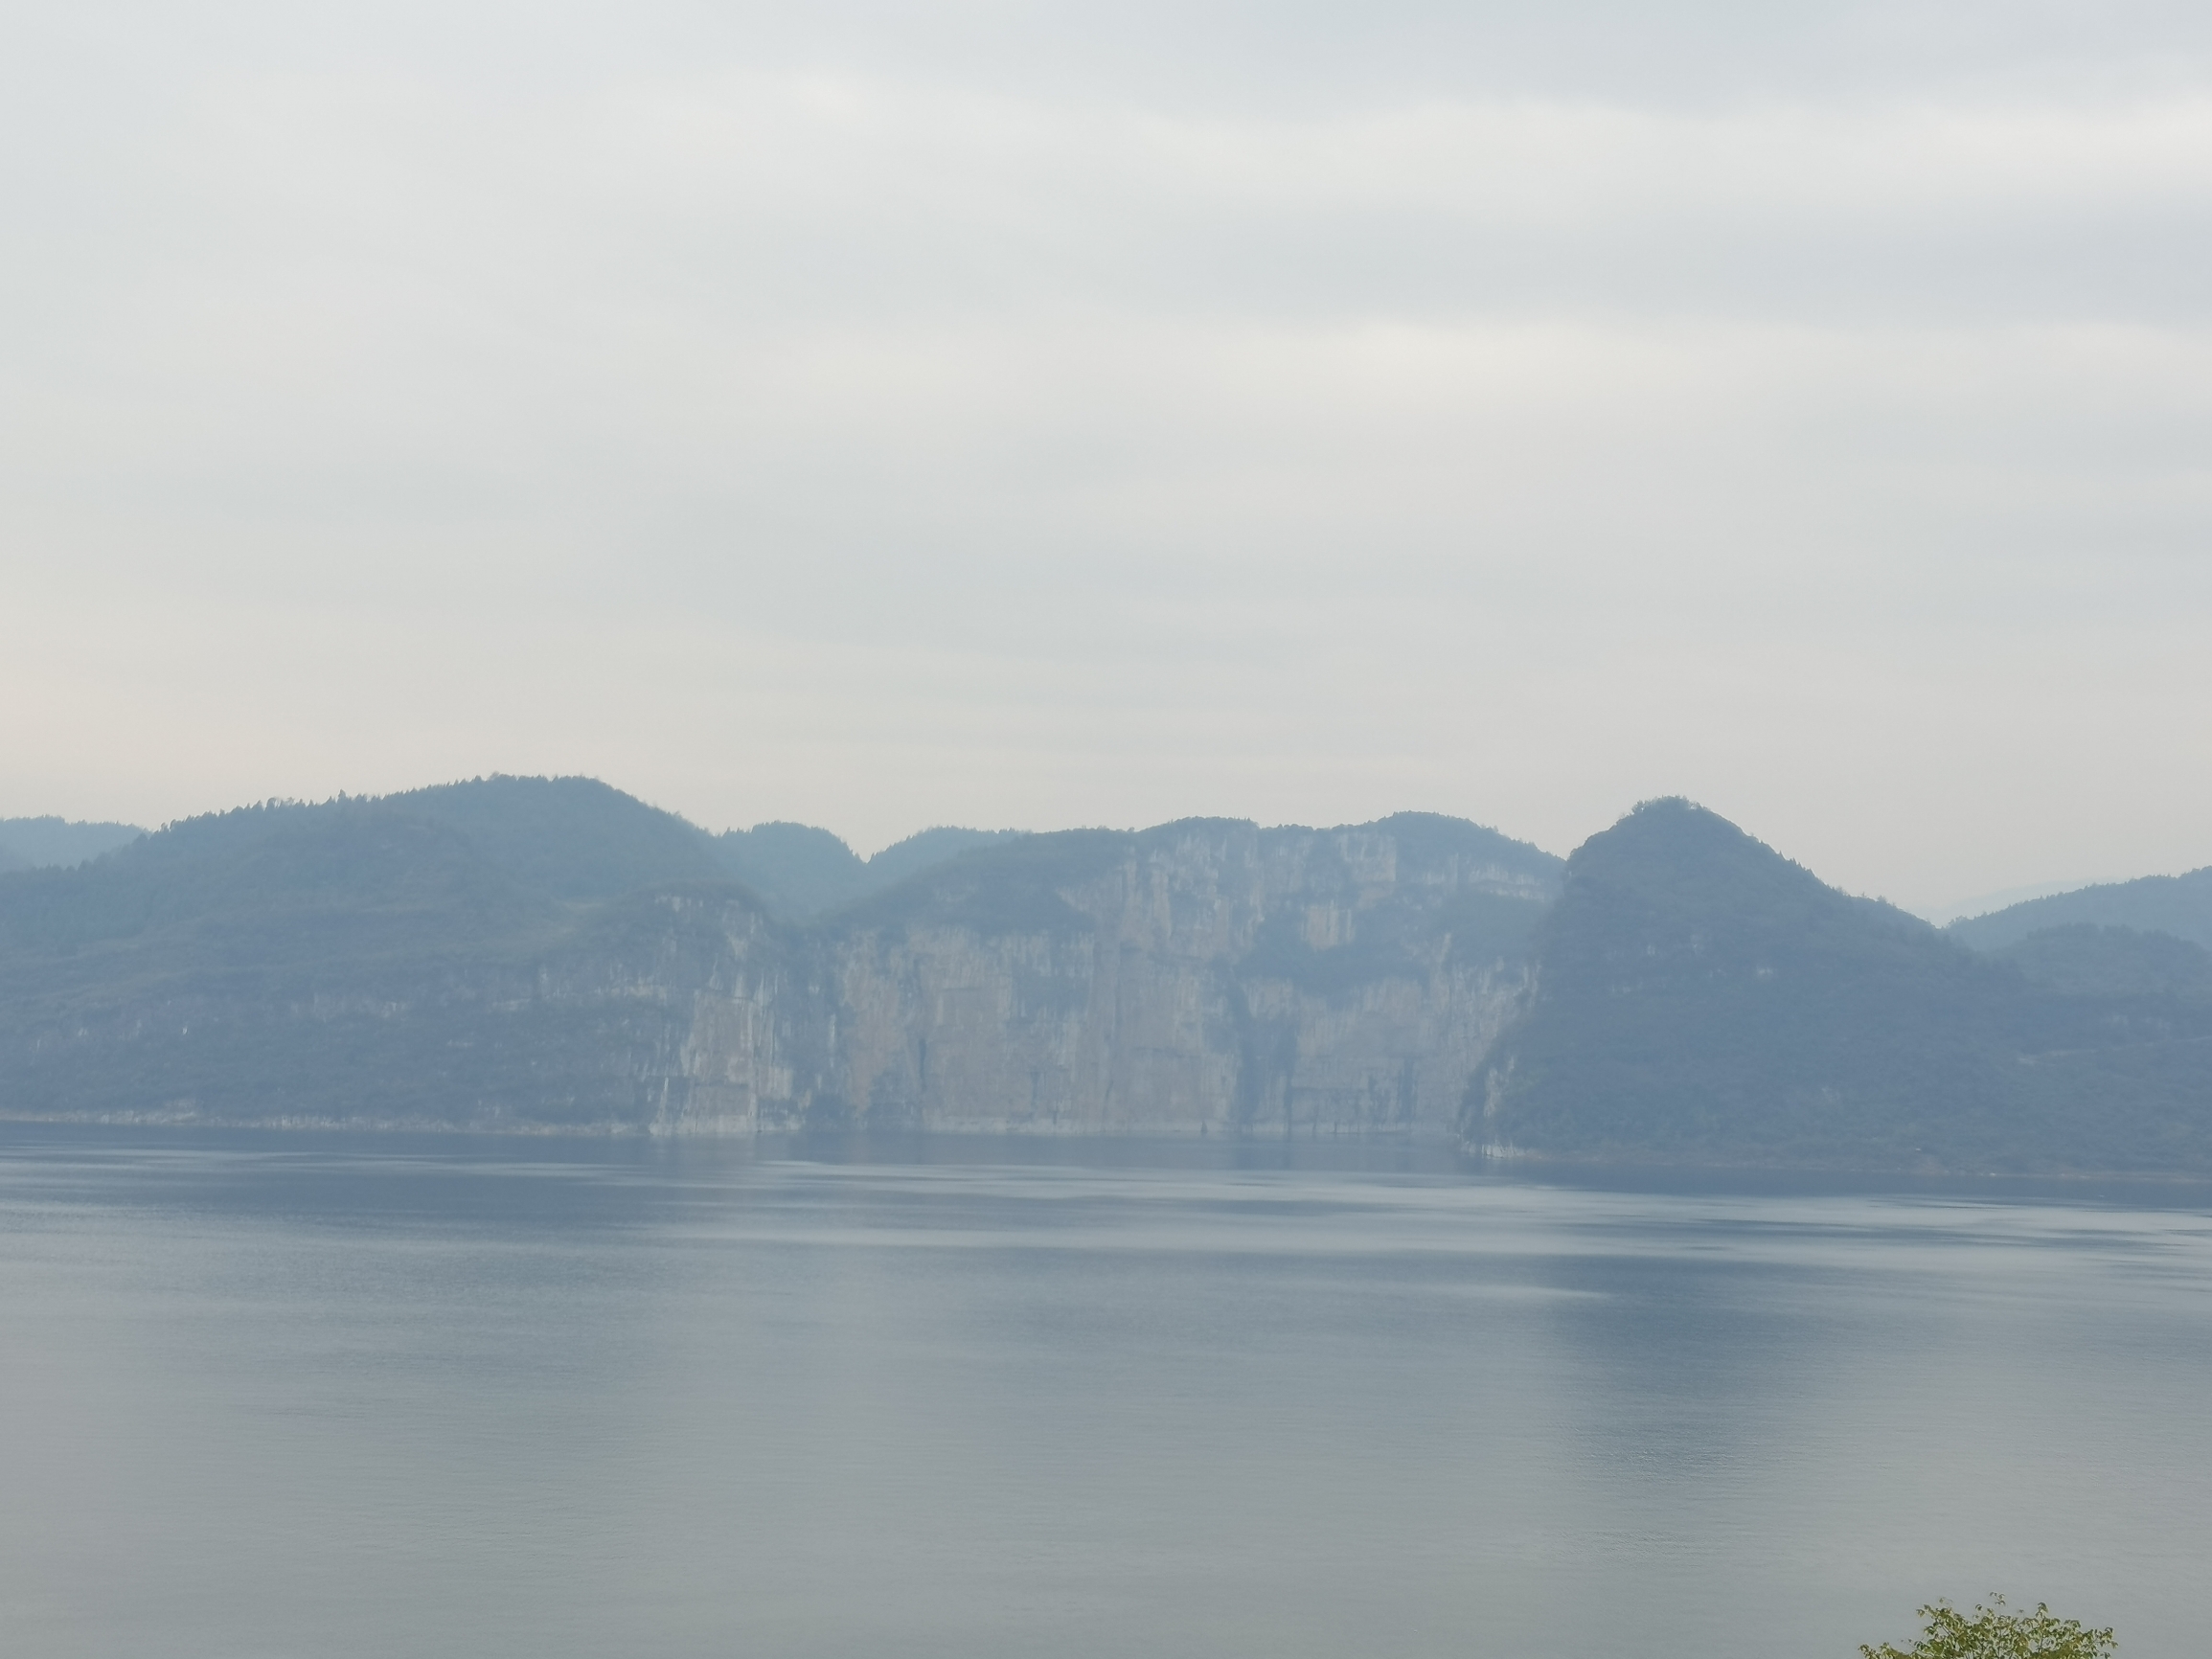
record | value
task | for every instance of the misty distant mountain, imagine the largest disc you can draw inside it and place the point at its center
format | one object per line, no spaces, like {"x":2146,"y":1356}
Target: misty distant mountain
{"x":1983,"y":903}
{"x":37,"y":843}
{"x":551,"y":954}
{"x":1701,"y":998}
{"x":2180,"y":906}
{"x":2111,"y":962}
{"x":802,"y":872}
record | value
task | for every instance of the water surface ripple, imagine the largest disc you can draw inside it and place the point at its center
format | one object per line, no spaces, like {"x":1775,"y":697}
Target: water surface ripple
{"x":339,"y":1397}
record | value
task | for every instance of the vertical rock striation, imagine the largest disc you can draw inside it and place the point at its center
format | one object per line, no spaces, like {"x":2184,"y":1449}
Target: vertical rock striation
{"x":549,"y":954}
{"x":1203,"y":977}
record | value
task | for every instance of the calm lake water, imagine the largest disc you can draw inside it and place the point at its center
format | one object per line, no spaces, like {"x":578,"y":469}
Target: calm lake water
{"x":331,"y":1396}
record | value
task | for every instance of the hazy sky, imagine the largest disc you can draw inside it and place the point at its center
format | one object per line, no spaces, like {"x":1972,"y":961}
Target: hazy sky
{"x":884,"y":414}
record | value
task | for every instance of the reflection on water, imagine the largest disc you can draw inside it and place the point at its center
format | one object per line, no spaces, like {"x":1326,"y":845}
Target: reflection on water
{"x":315,"y":1396}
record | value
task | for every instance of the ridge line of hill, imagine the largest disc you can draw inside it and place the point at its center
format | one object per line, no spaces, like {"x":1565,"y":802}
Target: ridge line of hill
{"x":517,"y":953}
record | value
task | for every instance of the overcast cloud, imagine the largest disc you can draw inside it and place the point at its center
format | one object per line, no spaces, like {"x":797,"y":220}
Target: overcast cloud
{"x":890,"y":415}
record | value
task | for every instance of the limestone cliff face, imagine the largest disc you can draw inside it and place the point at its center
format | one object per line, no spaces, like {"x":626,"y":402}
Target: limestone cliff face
{"x":1202,"y":977}
{"x":366,"y":967}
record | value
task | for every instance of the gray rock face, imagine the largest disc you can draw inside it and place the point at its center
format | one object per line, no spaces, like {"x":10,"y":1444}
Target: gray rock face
{"x":1204,"y":977}
{"x":375,"y":964}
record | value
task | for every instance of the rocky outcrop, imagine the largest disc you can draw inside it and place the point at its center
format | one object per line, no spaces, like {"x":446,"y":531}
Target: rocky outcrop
{"x":375,"y":964}
{"x":1201,"y":978}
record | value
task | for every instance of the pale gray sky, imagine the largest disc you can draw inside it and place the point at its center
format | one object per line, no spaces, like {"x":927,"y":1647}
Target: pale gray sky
{"x":884,"y":414}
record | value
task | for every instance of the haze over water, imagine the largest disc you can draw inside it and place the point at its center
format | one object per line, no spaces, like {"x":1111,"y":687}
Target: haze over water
{"x":334,"y":1397}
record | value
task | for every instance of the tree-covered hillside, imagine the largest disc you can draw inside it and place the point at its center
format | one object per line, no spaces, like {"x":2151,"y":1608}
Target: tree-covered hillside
{"x":801,"y":871}
{"x":373,"y":960}
{"x":2089,"y":961}
{"x":37,"y":843}
{"x":2180,"y":906}
{"x":1701,"y":998}
{"x":347,"y":960}
{"x":551,"y":953}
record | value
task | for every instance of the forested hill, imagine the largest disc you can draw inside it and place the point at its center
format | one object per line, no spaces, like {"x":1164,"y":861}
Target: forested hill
{"x":554,"y":954}
{"x":801,"y":871}
{"x":2179,"y":905}
{"x":1703,"y":999}
{"x":353,"y":961}
{"x":39,"y":843}
{"x":562,"y":838}
{"x":551,"y":953}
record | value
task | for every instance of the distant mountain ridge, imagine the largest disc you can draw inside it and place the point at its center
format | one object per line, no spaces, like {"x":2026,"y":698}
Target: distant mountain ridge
{"x":1702,"y":999}
{"x":2180,"y":906}
{"x":574,"y":838}
{"x":2090,"y":961}
{"x":40,"y":843}
{"x":802,"y":872}
{"x":551,"y":954}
